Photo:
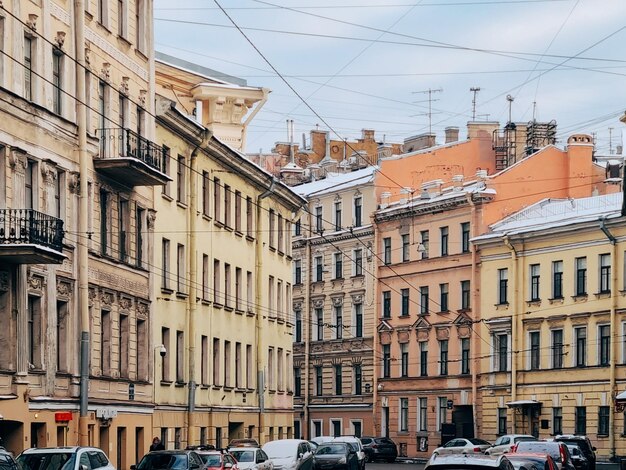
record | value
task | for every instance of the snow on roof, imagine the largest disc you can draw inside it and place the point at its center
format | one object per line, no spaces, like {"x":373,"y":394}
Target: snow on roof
{"x":199,"y":69}
{"x":550,"y":213}
{"x":336,"y":182}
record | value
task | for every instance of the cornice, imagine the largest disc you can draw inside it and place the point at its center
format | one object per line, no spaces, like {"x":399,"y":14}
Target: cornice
{"x":436,"y":206}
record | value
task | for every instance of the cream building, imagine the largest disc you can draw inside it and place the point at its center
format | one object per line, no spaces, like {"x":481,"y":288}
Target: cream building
{"x":223,"y":252}
{"x":553,"y":355}
{"x":334,"y":306}
{"x":49,"y":157}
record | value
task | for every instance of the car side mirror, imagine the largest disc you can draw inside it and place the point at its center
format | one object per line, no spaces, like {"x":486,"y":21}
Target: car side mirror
{"x":228,"y":465}
{"x":300,"y":455}
{"x":133,"y":467}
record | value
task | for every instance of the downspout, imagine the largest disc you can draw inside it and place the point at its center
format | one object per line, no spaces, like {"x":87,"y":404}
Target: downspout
{"x":476,"y":306}
{"x":307,"y":332}
{"x":514,"y":326}
{"x":259,"y":284}
{"x":192,"y":276}
{"x":376,"y":421}
{"x":613,"y":353}
{"x":83,"y":226}
{"x":244,"y":129}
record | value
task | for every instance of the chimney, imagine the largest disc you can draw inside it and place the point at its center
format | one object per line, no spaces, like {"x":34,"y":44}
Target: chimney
{"x":484,"y":129}
{"x":452,"y":134}
{"x":367,"y":134}
{"x":419,"y":142}
{"x":457,"y":182}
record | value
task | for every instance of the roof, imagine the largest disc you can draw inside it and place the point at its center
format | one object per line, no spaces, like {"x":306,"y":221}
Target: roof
{"x":551,"y":213}
{"x":335,"y":182}
{"x":205,"y":72}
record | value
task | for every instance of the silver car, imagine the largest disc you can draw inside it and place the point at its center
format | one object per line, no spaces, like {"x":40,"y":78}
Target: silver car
{"x":66,"y":458}
{"x":504,"y":444}
{"x":461,"y":445}
{"x":290,"y":454}
{"x":476,"y":462}
{"x":251,"y":458}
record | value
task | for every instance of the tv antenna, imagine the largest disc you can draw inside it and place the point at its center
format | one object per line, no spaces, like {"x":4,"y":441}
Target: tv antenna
{"x":474,"y":90}
{"x":430,"y":100}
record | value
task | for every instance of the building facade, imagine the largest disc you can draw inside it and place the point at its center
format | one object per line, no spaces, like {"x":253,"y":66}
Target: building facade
{"x":334,"y":307}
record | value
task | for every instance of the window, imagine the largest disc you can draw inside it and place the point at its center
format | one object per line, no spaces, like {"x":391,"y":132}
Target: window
{"x":249,"y":291}
{"x":216,"y":282}
{"x":180,"y":357}
{"x":580,"y":335}
{"x":406,"y":256}
{"x":358,"y":379}
{"x":297,"y":228}
{"x":123,"y":346}
{"x":297,"y":272}
{"x":535,"y":352}
{"x":140,"y":25}
{"x":35,"y":333}
{"x":443,"y":408}
{"x":337,"y":215}
{"x":405,"y":302}
{"x":217,"y":199}
{"x":106,"y":348}
{"x":103,"y":105}
{"x":387,"y":304}
{"x":250,"y":367}
{"x":279,"y":375}
{"x":29,"y":58}
{"x":443,"y":297}
{"x":404,"y":414}
{"x":501,"y":346}
{"x":424,"y":300}
{"x":404,"y":360}
{"x":122,"y":110}
{"x":238,"y":213}
{"x":386,"y":361}
{"x":165,"y":264}
{"x":503,"y":286}
{"x":281,"y":234}
{"x":443,"y":357}
{"x":603,"y":420}
{"x":501,"y":421}
{"x":318,"y":381}
{"x":338,"y":380}
{"x":358,"y":212}
{"x":139,"y":236}
{"x":57,"y":81}
{"x":443,"y":237}
{"x":557,"y":349}
{"x":465,"y":295}
{"x":465,"y":356}
{"x":227,"y":366}
{"x":63,"y":336}
{"x":180,"y":268}
{"x":272,"y":225}
{"x":298,"y":326}
{"x":319,"y":223}
{"x":605,"y":273}
{"x":249,"y":227}
{"x":581,"y":276}
{"x":121,"y":18}
{"x":338,"y":265}
{"x":180,"y":180}
{"x":228,"y":211}
{"x":465,"y":237}
{"x":604,"y":332}
{"x":318,"y":262}
{"x":123,"y":215}
{"x":534,"y":282}
{"x":358,"y":262}
{"x":358,"y":320}
{"x":165,"y":362}
{"x":204,"y":360}
{"x":297,"y":381}
{"x":319,"y":320}
{"x":424,"y":243}
{"x":557,"y":420}
{"x":423,"y":414}
{"x":580,"y":420}
{"x":238,"y":290}
{"x":105,"y":220}
{"x":387,"y":250}
{"x":423,"y":358}
{"x":338,"y":322}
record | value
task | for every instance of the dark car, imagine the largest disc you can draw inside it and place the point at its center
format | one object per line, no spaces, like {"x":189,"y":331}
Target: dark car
{"x":7,"y":462}
{"x":335,"y":456}
{"x":531,"y":461}
{"x":557,"y":450}
{"x":170,"y":460}
{"x":584,"y":443}
{"x":579,"y":460}
{"x":379,"y":448}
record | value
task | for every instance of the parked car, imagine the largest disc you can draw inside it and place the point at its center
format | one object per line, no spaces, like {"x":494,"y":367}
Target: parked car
{"x":7,"y":462}
{"x":217,"y":460}
{"x":504,"y":443}
{"x":243,"y":442}
{"x":379,"y":448}
{"x":463,"y":446}
{"x":468,"y":462}
{"x":251,"y":458}
{"x":336,"y":456}
{"x":557,"y":450}
{"x":322,"y":439}
{"x":290,"y":454}
{"x":578,"y":458}
{"x":532,"y":461}
{"x":356,"y":444}
{"x":585,"y":445}
{"x":66,"y":458}
{"x":170,"y":459}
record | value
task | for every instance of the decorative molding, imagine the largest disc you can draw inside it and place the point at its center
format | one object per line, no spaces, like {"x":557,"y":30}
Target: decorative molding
{"x":107,"y":298}
{"x":142,"y":97}
{"x":143,"y":309}
{"x":60,"y":38}
{"x":17,"y":160}
{"x":48,"y":172}
{"x":125,"y":302}
{"x":73,"y":182}
{"x":151,"y":219}
{"x":105,"y":71}
{"x":35,"y":282}
{"x":443,"y":333}
{"x":357,"y":299}
{"x":337,"y":300}
{"x":64,"y":288}
{"x":317,"y":303}
{"x":124,"y":86}
{"x":59,"y":13}
{"x":297,"y":305}
{"x":115,"y":53}
{"x":385,"y":338}
{"x":31,"y":22}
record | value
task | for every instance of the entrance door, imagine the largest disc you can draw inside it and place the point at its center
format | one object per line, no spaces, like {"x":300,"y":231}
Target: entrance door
{"x":463,"y":420}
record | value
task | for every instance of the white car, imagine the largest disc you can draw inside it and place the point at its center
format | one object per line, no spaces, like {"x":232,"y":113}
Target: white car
{"x":251,"y":458}
{"x":505,"y":443}
{"x":356,"y":444}
{"x":56,"y":458}
{"x":290,"y":454}
{"x":461,"y":445}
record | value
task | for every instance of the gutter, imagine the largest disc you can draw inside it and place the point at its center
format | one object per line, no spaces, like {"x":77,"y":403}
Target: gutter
{"x":244,"y":129}
{"x":474,"y":339}
{"x":514,"y":321}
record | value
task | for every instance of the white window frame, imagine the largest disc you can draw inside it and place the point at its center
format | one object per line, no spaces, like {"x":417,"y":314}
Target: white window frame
{"x":330,"y":425}
{"x":441,"y":400}
{"x":312,"y":430}
{"x":495,"y":353}
{"x":419,"y":415}
{"x":530,"y":352}
{"x":400,"y":410}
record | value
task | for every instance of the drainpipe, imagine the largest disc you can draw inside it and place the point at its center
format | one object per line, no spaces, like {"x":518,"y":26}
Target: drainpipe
{"x":259,"y":284}
{"x":514,"y":323}
{"x":307,"y":331}
{"x":192,"y":276}
{"x":83,"y":227}
{"x":474,"y":339}
{"x":244,"y":129}
{"x":614,"y":327}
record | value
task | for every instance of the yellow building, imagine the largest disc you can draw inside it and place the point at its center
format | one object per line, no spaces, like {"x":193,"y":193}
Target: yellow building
{"x":553,"y":329}
{"x":222,"y":326}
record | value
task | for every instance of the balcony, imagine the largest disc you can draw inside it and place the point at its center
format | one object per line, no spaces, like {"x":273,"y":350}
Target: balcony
{"x":130,"y":159}
{"x":30,"y":237}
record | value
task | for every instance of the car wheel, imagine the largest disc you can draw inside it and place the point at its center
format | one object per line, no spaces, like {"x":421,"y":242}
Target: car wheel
{"x":368,"y":458}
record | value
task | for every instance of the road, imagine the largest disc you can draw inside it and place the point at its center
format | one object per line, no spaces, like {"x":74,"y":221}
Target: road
{"x":394,"y":466}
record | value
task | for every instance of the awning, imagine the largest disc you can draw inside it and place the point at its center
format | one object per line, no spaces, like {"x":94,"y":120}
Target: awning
{"x":520,"y":403}
{"x":621,"y":396}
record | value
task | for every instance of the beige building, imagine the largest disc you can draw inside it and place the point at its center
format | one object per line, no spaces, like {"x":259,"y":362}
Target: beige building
{"x":42,"y":233}
{"x":222,"y":325}
{"x":552,"y":349}
{"x":334,"y":306}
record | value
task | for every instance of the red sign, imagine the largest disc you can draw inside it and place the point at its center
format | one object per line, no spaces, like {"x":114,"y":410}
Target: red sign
{"x":62,"y":417}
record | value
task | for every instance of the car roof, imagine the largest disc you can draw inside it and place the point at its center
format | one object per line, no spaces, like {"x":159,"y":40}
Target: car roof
{"x":481,"y":459}
{"x":41,"y":450}
{"x":172,"y":451}
{"x":247,"y":448}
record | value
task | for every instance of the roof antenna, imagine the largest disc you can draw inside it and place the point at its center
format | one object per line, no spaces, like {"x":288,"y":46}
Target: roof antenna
{"x":510,"y":99}
{"x":475,"y":90}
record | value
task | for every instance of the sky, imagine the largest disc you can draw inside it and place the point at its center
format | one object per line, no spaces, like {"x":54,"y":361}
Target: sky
{"x":346,"y":65}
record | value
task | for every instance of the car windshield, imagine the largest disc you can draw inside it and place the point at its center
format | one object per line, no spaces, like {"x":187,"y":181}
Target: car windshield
{"x":550,"y":448}
{"x":383,"y":440}
{"x":331,"y":449}
{"x":163,"y":461}
{"x":525,"y":439}
{"x":575,"y":442}
{"x":47,"y":461}
{"x":243,"y":455}
{"x":211,"y":460}
{"x":280,"y":449}
{"x":479,"y":442}
{"x":519,"y":460}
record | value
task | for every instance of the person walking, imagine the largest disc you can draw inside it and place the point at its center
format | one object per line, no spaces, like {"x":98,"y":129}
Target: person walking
{"x":156,"y":444}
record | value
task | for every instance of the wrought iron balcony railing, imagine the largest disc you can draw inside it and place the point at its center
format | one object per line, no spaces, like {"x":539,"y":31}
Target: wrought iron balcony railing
{"x":30,"y":227}
{"x":124,"y":143}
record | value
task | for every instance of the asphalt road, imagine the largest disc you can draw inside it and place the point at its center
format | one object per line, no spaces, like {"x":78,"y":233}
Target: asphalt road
{"x":393,"y":466}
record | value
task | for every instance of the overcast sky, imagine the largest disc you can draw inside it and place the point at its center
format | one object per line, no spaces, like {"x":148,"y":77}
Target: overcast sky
{"x":365,"y":63}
